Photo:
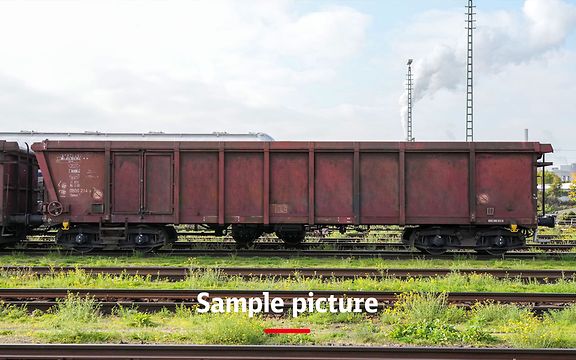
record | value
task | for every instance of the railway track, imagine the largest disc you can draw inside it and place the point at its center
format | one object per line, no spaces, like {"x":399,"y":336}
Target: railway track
{"x":337,"y":244}
{"x":154,"y":299}
{"x":278,"y":352}
{"x":290,"y":253}
{"x":179,"y":273}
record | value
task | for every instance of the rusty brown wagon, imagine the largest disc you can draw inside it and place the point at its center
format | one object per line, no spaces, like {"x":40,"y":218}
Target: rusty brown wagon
{"x":129,"y":194}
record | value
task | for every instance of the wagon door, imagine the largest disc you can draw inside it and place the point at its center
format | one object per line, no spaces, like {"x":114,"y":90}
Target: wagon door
{"x":126,"y":183}
{"x":142,"y":183}
{"x":158,"y":183}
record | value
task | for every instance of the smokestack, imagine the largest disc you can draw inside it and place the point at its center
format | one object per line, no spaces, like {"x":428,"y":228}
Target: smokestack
{"x":525,"y":134}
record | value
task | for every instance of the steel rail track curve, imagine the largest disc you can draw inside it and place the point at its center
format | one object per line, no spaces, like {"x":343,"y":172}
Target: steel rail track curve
{"x":247,"y":352}
{"x":179,"y":273}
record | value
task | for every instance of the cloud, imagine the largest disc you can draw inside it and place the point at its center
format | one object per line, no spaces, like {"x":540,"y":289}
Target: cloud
{"x":170,"y":61}
{"x":502,"y":39}
{"x":308,"y":36}
{"x":26,"y":108}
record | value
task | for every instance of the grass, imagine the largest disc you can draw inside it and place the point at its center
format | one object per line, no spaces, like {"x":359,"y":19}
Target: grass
{"x":209,"y":280}
{"x":568,"y":262}
{"x":135,"y":319}
{"x":419,"y":319}
{"x":76,"y":310}
{"x":426,"y":319}
{"x":415,"y":307}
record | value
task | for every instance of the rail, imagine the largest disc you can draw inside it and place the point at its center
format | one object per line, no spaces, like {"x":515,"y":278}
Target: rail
{"x":212,"y":352}
{"x":179,"y":273}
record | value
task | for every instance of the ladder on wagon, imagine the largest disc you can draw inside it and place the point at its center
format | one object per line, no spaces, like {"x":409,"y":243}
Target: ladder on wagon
{"x":112,"y":234}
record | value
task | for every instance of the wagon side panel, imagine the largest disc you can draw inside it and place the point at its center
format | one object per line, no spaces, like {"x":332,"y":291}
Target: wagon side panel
{"x":379,"y":188}
{"x":78,"y":181}
{"x":199,"y":187}
{"x":437,"y":188}
{"x":158,"y":183}
{"x":243,"y":184}
{"x":126,"y":183}
{"x":504,"y":188}
{"x":333,"y":185}
{"x":289,"y":187}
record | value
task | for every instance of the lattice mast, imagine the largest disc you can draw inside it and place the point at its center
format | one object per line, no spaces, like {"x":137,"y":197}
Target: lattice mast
{"x":469,"y":72}
{"x":409,"y":135}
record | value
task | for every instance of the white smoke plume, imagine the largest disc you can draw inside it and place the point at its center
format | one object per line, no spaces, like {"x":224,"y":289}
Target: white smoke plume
{"x":501,"y":39}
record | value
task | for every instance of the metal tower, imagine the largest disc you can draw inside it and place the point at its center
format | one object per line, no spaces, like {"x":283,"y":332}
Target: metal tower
{"x":469,"y":73}
{"x":409,"y":136}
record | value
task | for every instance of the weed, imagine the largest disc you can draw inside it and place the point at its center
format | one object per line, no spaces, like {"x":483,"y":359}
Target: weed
{"x":436,"y":332}
{"x":13,"y":313}
{"x":144,"y":337}
{"x":568,"y":262}
{"x":231,"y":329}
{"x":535,"y":333}
{"x":292,"y":339}
{"x":133,"y":318}
{"x":330,"y":318}
{"x":475,"y":334}
{"x":79,"y":336}
{"x":417,"y":307}
{"x":74,"y":311}
{"x":497,"y":315}
{"x":566,"y":316}
{"x":183,"y":312}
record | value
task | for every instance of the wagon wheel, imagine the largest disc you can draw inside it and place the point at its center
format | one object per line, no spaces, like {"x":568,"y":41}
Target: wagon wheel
{"x":147,"y":249}
{"x":244,"y":238}
{"x":149,"y":246}
{"x":293,"y":245}
{"x":83,"y":249}
{"x":432,"y":251}
{"x":493,"y":252}
{"x":54,"y":208}
{"x":243,"y":244}
{"x":292,"y":240}
{"x":81,"y":242}
{"x":11,"y":236}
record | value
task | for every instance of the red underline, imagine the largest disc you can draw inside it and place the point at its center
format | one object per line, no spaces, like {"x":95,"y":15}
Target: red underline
{"x":287,"y":331}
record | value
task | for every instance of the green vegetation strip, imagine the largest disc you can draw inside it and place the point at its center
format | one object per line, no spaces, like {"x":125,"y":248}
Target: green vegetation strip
{"x":213,"y":279}
{"x":19,"y":259}
{"x":420,"y":319}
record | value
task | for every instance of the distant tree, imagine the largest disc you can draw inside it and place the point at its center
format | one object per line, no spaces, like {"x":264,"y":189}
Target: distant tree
{"x":550,"y":177}
{"x":572,"y":191}
{"x":555,"y":188}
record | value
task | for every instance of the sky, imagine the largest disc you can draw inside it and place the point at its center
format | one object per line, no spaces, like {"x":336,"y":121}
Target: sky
{"x":296,"y":70}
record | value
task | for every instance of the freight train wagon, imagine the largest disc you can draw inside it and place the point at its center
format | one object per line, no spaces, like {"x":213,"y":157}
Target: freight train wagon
{"x":447,"y":195}
{"x":19,"y":194}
